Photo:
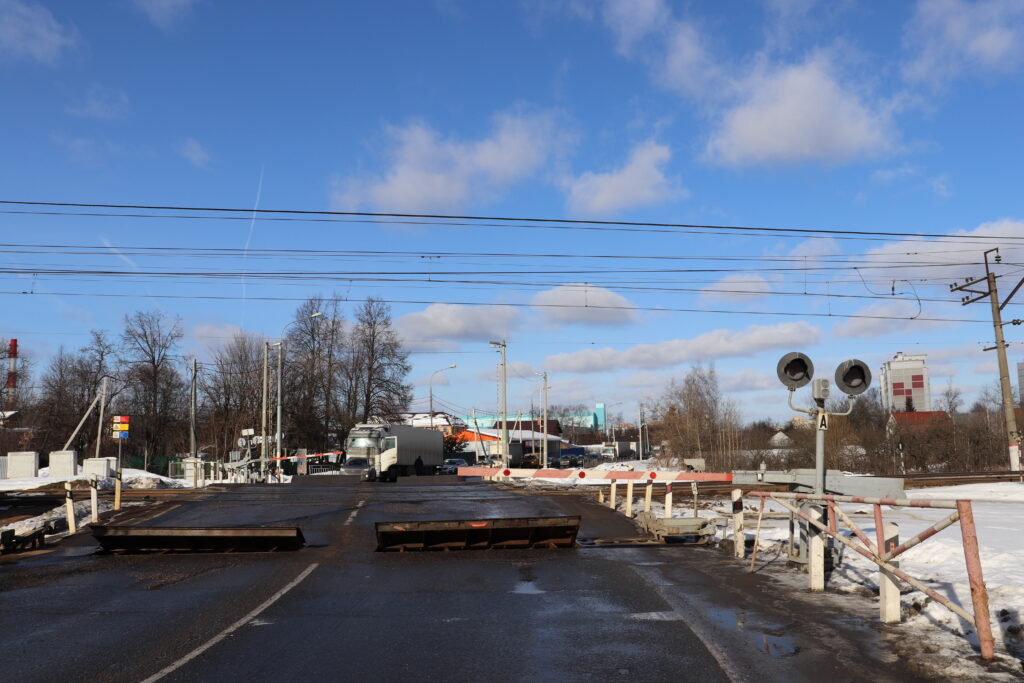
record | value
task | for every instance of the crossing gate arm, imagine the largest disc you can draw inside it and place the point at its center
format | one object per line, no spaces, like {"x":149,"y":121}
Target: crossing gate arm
{"x":478,"y":534}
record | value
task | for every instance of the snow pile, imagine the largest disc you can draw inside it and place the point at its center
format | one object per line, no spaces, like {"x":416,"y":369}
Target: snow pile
{"x":130,"y":478}
{"x":58,"y":517}
{"x":627,"y":466}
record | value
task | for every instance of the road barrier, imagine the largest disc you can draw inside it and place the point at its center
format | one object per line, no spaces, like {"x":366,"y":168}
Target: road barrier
{"x":593,"y":476}
{"x":887,"y":547}
{"x":478,"y":534}
{"x":197,"y":539}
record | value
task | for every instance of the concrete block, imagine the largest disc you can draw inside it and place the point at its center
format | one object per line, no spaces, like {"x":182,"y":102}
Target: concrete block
{"x":22,"y":464}
{"x":98,"y":466}
{"x":112,"y":463}
{"x":63,"y":464}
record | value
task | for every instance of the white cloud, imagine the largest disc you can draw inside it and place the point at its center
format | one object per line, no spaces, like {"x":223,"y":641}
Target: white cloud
{"x":440,"y":380}
{"x":687,"y":66}
{"x":584,"y":304}
{"x":455,"y":322}
{"x":633,"y":21}
{"x":29,"y":31}
{"x":706,"y":347}
{"x":738,"y":287}
{"x":893,"y":317}
{"x":940,"y":186}
{"x":799,"y":113}
{"x":813,"y":248}
{"x":952,"y":37}
{"x":430,"y":173}
{"x":887,"y":176}
{"x":102,"y":103}
{"x":921,"y":262}
{"x":164,"y":13}
{"x":640,"y":182}
{"x":748,"y":380}
{"x":194,"y":153}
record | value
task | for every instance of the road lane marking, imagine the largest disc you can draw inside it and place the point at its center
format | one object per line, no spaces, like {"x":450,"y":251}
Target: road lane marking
{"x":234,"y":627}
{"x":679,"y":607}
{"x":352,"y":515}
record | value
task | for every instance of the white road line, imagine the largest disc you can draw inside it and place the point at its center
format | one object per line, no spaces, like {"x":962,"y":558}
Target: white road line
{"x":234,"y":627}
{"x":686,"y":615}
{"x":352,"y":515}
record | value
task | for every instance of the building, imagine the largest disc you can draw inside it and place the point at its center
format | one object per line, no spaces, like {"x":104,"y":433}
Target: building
{"x":442,"y":422}
{"x":906,"y":385}
{"x":1020,"y":382}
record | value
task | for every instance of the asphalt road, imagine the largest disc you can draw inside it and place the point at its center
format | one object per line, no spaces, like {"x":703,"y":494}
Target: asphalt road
{"x":339,"y":611}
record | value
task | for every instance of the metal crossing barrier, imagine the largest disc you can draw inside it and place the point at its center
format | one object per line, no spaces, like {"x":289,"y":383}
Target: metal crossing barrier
{"x":479,"y":534}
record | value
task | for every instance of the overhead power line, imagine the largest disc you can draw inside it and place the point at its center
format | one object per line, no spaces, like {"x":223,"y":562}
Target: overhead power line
{"x":246,"y":213}
{"x":516,"y":305}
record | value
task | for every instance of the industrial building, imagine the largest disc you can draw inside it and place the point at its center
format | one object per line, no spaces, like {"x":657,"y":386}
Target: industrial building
{"x":906,"y":384}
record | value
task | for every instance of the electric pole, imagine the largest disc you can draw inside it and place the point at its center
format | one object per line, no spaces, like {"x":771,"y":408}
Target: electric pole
{"x":544,"y":462}
{"x":1013,"y":436}
{"x":501,"y":345}
{"x":263,"y":413}
{"x":192,"y":412}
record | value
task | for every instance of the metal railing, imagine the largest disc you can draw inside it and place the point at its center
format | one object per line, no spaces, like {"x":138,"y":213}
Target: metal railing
{"x":883,"y":551}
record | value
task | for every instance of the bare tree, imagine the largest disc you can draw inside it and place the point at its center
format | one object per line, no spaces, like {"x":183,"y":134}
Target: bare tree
{"x":379,"y":362}
{"x":155,"y":391}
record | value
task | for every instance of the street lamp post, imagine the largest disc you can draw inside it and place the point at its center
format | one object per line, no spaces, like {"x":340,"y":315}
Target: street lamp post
{"x":280,"y":365}
{"x":544,"y":457}
{"x":501,"y":345}
{"x":431,"y":383}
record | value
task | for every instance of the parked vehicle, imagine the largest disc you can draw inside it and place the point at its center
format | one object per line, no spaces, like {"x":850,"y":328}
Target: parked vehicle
{"x":393,"y":449}
{"x":615,"y":450}
{"x":359,"y":467}
{"x":452,"y":465}
{"x":530,"y":460}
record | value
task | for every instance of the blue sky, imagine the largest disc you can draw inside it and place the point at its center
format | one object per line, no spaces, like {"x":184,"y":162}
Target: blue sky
{"x":869,"y":116}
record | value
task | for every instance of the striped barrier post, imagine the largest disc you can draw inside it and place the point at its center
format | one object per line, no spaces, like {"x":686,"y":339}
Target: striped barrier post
{"x":69,"y":505}
{"x":668,"y":501}
{"x":738,"y":537}
{"x":629,"y":498}
{"x":611,"y":495}
{"x":648,"y":494}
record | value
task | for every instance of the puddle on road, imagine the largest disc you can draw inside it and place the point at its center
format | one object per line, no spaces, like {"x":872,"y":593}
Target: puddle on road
{"x":766,"y":638}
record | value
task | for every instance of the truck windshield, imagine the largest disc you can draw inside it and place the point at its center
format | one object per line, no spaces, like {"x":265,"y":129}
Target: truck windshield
{"x":356,"y":462}
{"x":362,"y":445}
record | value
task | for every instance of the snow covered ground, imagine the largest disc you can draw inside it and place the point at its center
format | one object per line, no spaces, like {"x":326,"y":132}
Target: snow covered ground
{"x":130,"y":478}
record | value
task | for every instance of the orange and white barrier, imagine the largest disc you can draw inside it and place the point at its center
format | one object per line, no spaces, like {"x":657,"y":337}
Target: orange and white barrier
{"x":593,"y":476}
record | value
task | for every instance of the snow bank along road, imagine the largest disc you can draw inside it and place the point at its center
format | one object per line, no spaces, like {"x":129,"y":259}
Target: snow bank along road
{"x":339,"y":611}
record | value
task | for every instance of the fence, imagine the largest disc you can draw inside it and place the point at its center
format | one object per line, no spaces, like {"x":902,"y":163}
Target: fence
{"x":883,"y":551}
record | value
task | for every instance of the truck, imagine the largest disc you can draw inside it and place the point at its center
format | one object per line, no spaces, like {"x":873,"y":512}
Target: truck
{"x":393,"y":449}
{"x":615,"y":450}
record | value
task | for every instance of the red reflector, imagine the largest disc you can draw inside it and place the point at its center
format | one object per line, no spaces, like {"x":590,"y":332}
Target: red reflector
{"x":582,"y":475}
{"x":507,"y":472}
{"x":478,"y":525}
{"x":653,"y":475}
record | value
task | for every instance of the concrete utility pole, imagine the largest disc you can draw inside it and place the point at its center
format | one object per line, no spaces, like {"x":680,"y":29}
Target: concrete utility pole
{"x":192,"y":412}
{"x":544,"y":461}
{"x":501,"y":345}
{"x":103,"y":404}
{"x":431,"y":383}
{"x":1013,"y":436}
{"x":263,"y":413}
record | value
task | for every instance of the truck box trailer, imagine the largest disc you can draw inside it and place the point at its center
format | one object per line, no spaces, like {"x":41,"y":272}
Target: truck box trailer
{"x":393,"y":449}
